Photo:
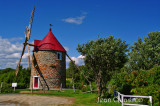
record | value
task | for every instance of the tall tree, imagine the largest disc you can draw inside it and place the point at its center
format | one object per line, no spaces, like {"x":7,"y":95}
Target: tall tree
{"x":72,"y":72}
{"x":103,"y":56}
{"x":88,"y":73}
{"x":145,"y":54}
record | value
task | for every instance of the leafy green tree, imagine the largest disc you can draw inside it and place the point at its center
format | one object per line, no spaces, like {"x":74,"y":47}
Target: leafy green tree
{"x":143,"y":82}
{"x":23,"y":78}
{"x":68,"y":73}
{"x":73,"y":72}
{"x":145,"y":54}
{"x":87,"y":72}
{"x":104,"y":56}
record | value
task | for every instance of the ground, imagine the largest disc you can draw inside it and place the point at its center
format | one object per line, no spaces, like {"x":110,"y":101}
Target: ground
{"x":35,"y":100}
{"x":52,"y":98}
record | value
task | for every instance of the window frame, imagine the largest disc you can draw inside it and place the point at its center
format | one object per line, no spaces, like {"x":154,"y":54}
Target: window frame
{"x":60,"y":55}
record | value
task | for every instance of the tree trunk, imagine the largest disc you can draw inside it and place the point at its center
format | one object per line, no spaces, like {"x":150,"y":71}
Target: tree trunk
{"x":103,"y":88}
{"x":98,"y":83}
{"x":98,"y":87}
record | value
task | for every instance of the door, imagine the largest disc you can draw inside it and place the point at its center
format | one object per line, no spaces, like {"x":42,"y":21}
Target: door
{"x":36,"y":82}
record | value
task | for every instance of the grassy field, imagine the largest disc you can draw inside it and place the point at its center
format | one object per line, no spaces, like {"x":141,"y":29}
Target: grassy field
{"x":81,"y":98}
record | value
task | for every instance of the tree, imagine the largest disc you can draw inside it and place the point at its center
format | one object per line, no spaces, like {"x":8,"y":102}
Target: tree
{"x":104,"y":56}
{"x":72,"y":72}
{"x":23,"y":78}
{"x":88,"y":73}
{"x":144,"y":55}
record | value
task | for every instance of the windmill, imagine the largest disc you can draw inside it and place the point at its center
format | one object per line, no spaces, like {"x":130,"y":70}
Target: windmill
{"x":48,"y":62}
{"x":26,"y":43}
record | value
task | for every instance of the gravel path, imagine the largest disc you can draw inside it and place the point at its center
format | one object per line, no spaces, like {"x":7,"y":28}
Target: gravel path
{"x":35,"y":100}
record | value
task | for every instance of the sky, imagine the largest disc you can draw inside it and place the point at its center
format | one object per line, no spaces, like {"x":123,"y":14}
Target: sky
{"x":74,"y":22}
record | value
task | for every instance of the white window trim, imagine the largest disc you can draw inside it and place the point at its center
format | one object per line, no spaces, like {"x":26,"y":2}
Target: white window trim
{"x":34,"y":81}
{"x":60,"y":55}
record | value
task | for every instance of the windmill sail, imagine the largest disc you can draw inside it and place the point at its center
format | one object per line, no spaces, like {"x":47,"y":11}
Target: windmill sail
{"x":27,"y":35}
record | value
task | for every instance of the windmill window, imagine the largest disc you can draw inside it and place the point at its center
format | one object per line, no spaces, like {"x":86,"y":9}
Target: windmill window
{"x":59,"y":56}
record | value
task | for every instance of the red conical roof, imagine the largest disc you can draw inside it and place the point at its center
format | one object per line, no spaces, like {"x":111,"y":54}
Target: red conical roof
{"x":49,"y":42}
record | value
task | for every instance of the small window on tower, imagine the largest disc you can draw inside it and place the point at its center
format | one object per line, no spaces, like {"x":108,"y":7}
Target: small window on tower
{"x":59,"y":56}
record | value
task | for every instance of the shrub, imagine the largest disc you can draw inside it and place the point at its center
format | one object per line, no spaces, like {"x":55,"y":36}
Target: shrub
{"x":6,"y":88}
{"x":152,"y":90}
{"x":142,"y":82}
{"x":21,"y":86}
{"x":121,"y":83}
{"x":68,"y":84}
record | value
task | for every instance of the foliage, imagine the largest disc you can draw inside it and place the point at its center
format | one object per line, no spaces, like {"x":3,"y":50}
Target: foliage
{"x":152,"y":90}
{"x":76,"y":77}
{"x":143,"y":82}
{"x":23,"y":77}
{"x":88,"y":73}
{"x":72,"y":72}
{"x":119,"y":83}
{"x":7,"y":88}
{"x":7,"y":76}
{"x":103,"y":56}
{"x":69,"y":84}
{"x":144,"y":55}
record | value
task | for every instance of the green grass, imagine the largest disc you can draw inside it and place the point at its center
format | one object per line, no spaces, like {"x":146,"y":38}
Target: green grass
{"x":17,"y":91}
{"x":80,"y":98}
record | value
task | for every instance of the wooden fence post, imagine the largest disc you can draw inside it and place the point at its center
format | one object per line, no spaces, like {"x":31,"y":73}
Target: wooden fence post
{"x":122,"y":100}
{"x":1,"y":87}
{"x":118,"y":97}
{"x":61,"y":88}
{"x":150,"y":99}
{"x":90,"y":87}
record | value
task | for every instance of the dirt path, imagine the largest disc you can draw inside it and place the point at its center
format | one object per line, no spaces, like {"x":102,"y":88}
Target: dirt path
{"x":35,"y":100}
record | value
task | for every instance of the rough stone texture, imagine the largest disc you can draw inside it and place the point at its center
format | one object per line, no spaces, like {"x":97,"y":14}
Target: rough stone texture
{"x":51,"y":72}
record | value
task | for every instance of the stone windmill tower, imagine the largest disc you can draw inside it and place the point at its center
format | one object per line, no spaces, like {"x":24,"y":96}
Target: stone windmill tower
{"x":48,"y":69}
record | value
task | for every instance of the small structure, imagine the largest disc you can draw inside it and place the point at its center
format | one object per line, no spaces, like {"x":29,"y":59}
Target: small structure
{"x":48,"y":64}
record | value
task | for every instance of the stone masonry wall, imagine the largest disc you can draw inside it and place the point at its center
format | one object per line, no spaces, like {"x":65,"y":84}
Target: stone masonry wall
{"x":51,"y":72}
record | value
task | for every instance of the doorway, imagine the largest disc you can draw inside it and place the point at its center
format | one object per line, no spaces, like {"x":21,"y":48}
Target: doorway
{"x":35,"y":82}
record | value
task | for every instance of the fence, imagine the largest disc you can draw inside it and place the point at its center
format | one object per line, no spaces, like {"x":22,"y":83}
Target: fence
{"x":121,"y":99}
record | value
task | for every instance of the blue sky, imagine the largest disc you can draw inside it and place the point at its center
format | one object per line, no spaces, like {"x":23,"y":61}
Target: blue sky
{"x":74,"y":22}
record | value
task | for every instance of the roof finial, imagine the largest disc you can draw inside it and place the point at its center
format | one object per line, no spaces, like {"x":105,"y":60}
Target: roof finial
{"x":50,"y":26}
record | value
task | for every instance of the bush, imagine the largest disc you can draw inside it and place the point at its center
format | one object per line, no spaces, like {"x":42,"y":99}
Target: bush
{"x":142,"y":82}
{"x":85,"y":88}
{"x":21,"y":86}
{"x":78,"y":85}
{"x":152,"y":90}
{"x":6,"y":88}
{"x":121,"y":83}
{"x":68,"y":84}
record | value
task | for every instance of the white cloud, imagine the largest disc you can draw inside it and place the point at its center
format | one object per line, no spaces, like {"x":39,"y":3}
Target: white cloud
{"x":25,"y":56}
{"x":14,"y":55}
{"x":76,"y":20}
{"x":78,"y":60}
{"x":16,"y":39}
{"x":66,"y":48}
{"x":81,"y":57}
{"x":10,"y":53}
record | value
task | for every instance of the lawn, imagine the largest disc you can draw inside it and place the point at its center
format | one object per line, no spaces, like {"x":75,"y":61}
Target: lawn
{"x":81,"y":98}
